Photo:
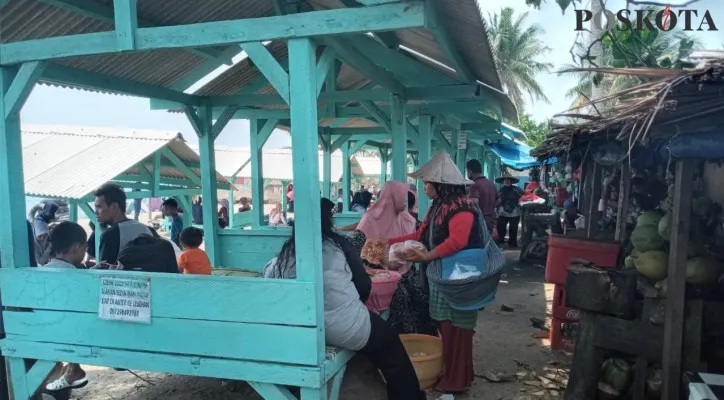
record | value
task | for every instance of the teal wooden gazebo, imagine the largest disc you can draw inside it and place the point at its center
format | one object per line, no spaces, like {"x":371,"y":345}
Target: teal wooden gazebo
{"x":394,"y":75}
{"x":147,"y":163}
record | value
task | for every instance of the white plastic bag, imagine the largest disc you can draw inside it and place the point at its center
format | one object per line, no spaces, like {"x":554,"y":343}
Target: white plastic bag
{"x":397,"y":250}
{"x":464,"y":271}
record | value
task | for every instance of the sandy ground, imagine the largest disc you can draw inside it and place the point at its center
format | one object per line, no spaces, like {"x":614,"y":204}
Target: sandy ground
{"x":504,"y":342}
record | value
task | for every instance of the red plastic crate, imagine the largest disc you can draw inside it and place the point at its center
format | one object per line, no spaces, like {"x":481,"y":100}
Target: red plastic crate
{"x":563,"y":334}
{"x":559,"y":309}
{"x":561,"y":250}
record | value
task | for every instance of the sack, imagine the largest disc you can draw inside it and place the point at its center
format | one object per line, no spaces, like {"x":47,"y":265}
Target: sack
{"x":472,"y":292}
{"x":463,"y":264}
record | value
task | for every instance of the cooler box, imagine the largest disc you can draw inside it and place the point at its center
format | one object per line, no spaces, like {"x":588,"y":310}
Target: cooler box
{"x":562,"y":249}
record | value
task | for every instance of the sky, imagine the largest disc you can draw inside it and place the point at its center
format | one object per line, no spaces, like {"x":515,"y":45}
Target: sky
{"x":52,"y":105}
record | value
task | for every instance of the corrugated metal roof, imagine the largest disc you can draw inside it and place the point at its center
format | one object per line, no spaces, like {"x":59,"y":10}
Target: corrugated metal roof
{"x":32,"y":19}
{"x":72,"y":161}
{"x":277,"y":164}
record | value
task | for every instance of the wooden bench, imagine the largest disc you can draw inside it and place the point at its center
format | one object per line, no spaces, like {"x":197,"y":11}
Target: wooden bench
{"x":269,"y":339}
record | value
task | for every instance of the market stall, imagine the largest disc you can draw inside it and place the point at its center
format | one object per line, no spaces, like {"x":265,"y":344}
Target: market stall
{"x":651,"y":317}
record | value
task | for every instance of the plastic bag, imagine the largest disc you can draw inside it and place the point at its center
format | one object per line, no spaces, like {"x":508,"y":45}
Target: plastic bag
{"x":397,"y":250}
{"x":464,"y":271}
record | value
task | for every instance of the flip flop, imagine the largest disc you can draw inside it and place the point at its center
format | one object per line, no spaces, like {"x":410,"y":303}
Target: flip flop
{"x":62,"y":384}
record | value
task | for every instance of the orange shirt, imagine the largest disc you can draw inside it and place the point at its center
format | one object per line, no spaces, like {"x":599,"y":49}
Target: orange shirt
{"x":194,"y":261}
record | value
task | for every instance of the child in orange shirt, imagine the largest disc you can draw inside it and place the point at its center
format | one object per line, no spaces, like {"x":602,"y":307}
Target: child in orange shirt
{"x":193,"y":260}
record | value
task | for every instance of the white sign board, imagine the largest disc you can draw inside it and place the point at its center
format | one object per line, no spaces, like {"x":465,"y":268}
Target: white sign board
{"x":125,"y":299}
{"x":462,"y":140}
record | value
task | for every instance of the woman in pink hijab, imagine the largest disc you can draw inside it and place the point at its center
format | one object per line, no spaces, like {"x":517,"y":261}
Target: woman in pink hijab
{"x":389,"y":216}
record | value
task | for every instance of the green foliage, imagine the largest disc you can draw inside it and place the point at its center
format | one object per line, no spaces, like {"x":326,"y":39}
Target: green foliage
{"x":563,"y":4}
{"x":518,"y":51}
{"x":631,"y":49}
{"x":535,"y":131}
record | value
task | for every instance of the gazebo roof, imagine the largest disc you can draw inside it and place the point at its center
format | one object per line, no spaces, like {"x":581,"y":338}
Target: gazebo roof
{"x":72,"y":161}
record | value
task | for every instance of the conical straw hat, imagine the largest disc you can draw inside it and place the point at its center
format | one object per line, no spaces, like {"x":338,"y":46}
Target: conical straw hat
{"x":440,"y":169}
{"x":507,"y":175}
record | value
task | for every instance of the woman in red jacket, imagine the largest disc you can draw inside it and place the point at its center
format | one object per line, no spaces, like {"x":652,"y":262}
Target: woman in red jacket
{"x":451,"y":225}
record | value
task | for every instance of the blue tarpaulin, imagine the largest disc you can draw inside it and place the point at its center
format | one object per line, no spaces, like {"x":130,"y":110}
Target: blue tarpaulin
{"x":517,"y":156}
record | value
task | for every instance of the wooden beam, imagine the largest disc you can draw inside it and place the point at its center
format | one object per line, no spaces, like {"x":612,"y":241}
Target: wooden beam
{"x":594,"y":196}
{"x":176,"y":161}
{"x":269,"y":67}
{"x":386,"y":17}
{"x":364,"y":65}
{"x":624,"y":190}
{"x":125,"y":16}
{"x":447,"y":43}
{"x":377,"y":113}
{"x":399,"y":138}
{"x":98,"y":11}
{"x":22,"y":85}
{"x":337,"y":144}
{"x":55,"y":73}
{"x":436,"y":94}
{"x":676,"y":280}
{"x":324,"y":66}
{"x":223,"y":120}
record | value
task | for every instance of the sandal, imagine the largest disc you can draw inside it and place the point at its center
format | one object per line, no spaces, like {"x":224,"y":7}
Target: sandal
{"x":62,"y":384}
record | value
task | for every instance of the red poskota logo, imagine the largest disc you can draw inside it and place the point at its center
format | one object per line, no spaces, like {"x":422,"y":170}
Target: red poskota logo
{"x":666,"y":14}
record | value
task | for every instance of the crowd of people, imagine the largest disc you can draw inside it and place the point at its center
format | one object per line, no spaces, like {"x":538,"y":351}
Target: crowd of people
{"x":463,"y":216}
{"x":125,"y":244}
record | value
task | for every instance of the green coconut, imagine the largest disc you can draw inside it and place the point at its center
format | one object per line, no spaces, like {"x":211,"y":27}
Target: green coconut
{"x":695,"y":248}
{"x":646,"y":238}
{"x":703,"y":270}
{"x":617,"y":373}
{"x":648,"y":218}
{"x":664,"y":227}
{"x":653,"y":264}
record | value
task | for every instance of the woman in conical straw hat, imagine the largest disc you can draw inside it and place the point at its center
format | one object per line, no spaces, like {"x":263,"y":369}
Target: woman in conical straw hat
{"x":453,"y":219}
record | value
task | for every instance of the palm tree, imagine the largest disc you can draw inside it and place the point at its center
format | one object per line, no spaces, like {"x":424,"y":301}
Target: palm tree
{"x":621,"y":49}
{"x":517,"y":48}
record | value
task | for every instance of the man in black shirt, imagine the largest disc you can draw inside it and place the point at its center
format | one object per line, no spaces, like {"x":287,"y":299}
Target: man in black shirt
{"x":110,"y":205}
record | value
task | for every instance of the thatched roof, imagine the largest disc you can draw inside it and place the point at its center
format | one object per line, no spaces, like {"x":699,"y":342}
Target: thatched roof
{"x":668,"y":103}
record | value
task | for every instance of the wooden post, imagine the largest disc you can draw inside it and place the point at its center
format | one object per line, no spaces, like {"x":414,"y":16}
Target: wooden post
{"x":232,"y":179}
{"x":593,"y":199}
{"x":303,"y":108}
{"x":623,"y":200}
{"x":15,"y":87}
{"x":346,"y":177}
{"x":384,"y":159}
{"x":257,"y":172}
{"x":399,"y":139}
{"x":204,"y":127}
{"x":327,"y":165}
{"x":73,"y":211}
{"x":14,"y":235}
{"x":423,"y":156}
{"x":676,"y":281}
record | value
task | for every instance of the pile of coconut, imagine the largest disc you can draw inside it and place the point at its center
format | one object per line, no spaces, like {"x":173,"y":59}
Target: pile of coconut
{"x":650,"y":240}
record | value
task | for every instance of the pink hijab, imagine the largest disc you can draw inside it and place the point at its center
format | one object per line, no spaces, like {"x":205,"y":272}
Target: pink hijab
{"x":388,"y":218}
